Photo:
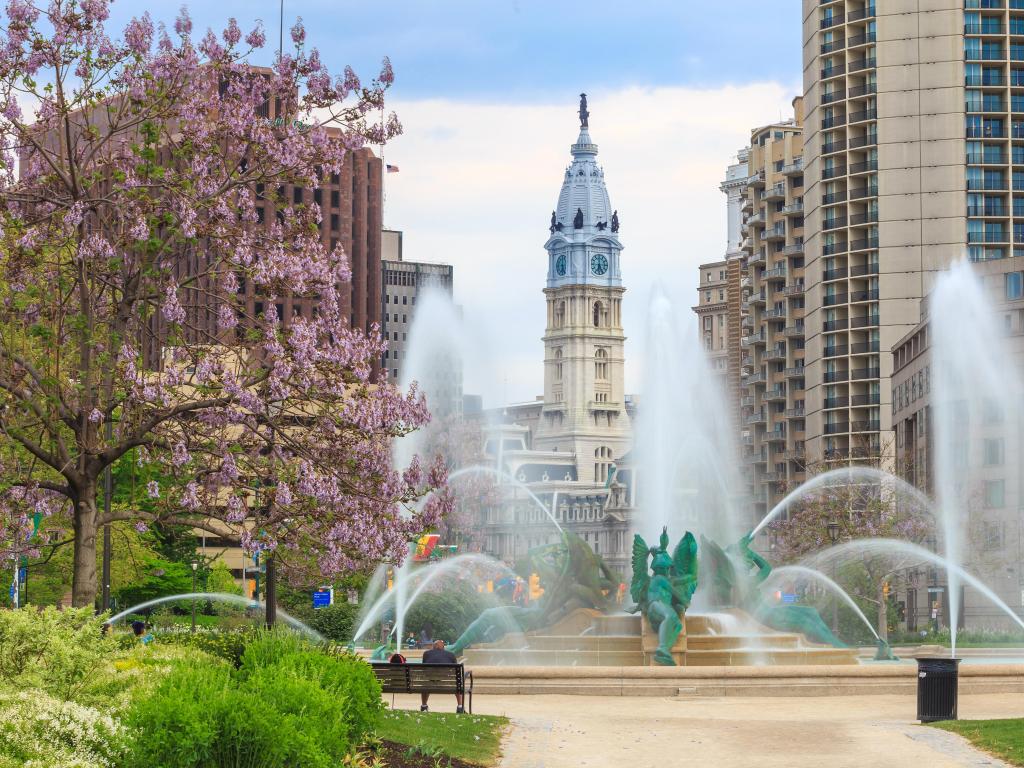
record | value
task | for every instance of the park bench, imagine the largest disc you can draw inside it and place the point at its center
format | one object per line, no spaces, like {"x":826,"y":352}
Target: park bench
{"x":425,"y":678}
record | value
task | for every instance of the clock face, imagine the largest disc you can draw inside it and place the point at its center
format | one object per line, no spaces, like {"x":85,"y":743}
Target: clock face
{"x":560,"y":264}
{"x":599,"y":263}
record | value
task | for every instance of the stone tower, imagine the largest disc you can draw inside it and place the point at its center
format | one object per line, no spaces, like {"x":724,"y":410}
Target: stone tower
{"x":584,"y":409}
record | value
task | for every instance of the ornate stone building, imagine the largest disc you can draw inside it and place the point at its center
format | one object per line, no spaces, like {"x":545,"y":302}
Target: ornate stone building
{"x":562,"y":449}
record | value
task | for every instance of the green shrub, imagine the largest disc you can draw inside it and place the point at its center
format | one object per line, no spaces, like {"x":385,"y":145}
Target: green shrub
{"x":288,"y":704}
{"x":226,"y":645}
{"x":346,"y":676}
{"x":56,"y":651}
{"x":335,"y":622}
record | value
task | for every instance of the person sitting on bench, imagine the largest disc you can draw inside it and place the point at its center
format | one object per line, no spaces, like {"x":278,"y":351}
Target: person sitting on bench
{"x":438,"y":655}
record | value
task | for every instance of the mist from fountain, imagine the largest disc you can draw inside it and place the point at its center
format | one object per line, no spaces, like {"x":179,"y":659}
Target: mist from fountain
{"x":890,"y":547}
{"x":422,"y":577}
{"x":846,"y":476}
{"x":687,"y":460}
{"x":220,"y":597}
{"x":550,"y":513}
{"x":974,"y":389}
{"x":810,"y":573}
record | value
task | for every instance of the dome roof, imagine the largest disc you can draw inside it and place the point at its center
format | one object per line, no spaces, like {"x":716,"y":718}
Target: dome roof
{"x":583,"y":190}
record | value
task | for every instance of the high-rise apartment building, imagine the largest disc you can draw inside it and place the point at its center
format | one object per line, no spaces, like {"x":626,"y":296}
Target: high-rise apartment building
{"x":908,"y":155}
{"x":403,"y":283}
{"x":772,"y":311}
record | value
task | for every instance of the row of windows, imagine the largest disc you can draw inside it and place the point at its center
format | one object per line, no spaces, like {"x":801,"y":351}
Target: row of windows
{"x":392,"y":299}
{"x":918,"y":385}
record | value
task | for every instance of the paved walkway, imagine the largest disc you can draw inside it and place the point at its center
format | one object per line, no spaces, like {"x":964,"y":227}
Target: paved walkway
{"x":790,"y":732}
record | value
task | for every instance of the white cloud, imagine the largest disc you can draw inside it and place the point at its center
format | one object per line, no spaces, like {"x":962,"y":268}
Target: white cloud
{"x":478,"y":182}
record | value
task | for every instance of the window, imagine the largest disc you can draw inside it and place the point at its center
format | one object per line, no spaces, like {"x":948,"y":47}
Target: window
{"x":993,"y":452}
{"x":601,"y":364}
{"x":1014,"y":285}
{"x":558,"y":364}
{"x":995,"y":491}
{"x":598,"y":314}
{"x":297,"y":195}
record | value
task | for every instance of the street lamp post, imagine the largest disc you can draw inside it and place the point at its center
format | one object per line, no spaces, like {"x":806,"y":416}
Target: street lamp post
{"x":833,"y":536}
{"x":195,"y":567}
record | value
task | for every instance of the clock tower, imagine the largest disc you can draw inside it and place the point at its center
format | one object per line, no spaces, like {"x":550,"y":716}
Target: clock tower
{"x":584,"y":409}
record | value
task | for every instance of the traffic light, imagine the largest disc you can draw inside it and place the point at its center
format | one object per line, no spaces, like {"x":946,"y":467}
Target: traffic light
{"x":885,"y":589}
{"x":535,"y":588}
{"x":390,"y":578}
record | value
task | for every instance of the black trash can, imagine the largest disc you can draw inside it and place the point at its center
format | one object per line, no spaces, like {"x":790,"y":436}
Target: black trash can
{"x":937,"y":689}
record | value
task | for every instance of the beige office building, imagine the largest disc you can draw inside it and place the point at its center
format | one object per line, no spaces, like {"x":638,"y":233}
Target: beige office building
{"x":772,"y":311}
{"x":893,"y":113}
{"x":712,"y":310}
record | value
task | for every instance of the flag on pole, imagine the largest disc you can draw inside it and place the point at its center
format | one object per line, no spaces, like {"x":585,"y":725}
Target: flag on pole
{"x":392,"y":168}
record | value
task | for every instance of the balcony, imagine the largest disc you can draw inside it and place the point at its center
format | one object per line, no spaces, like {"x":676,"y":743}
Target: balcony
{"x":985,"y":105}
{"x":864,"y":141}
{"x":835,"y":325}
{"x":988,"y":237}
{"x":795,"y":248}
{"x":864,"y":373}
{"x":836,"y":222}
{"x":747,"y":401}
{"x":863,"y":218}
{"x":863,"y":269}
{"x":835,"y":45}
{"x":865,"y":167}
{"x":756,"y":180}
{"x":858,"y":40}
{"x":837,"y":350}
{"x":794,"y":454}
{"x":835,"y":274}
{"x":795,"y":372}
{"x":867,"y":114}
{"x":758,"y":298}
{"x":863,"y":244}
{"x":757,"y":417}
{"x":857,"y":296}
{"x":778,"y":232}
{"x":793,"y":209}
{"x":865,"y":426}
{"x":832,"y":122}
{"x":832,"y":377}
{"x":775,"y":393}
{"x":836,"y":170}
{"x":989,"y":210}
{"x":756,"y":378}
{"x":753,"y":338}
{"x":872,"y":399}
{"x":985,"y":80}
{"x":831,"y":300}
{"x":986,"y":158}
{"x":793,"y":289}
{"x":794,"y":330}
{"x":991,"y":184}
{"x":773,"y":477}
{"x":830,"y":249}
{"x":868,"y":62}
{"x":794,"y":168}
{"x":864,"y":13}
{"x":864,"y":321}
{"x":864,"y":347}
{"x":985,"y":28}
{"x":774,"y":314}
{"x":862,"y":90}
{"x":775,"y":353}
{"x":986,"y":132}
{"x":755,"y":220}
{"x":774,"y":192}
{"x":836,"y":402}
{"x":832,"y":21}
{"x":755,"y":259}
{"x":833,"y":146}
{"x":795,"y":413}
{"x":860,"y":192}
{"x":755,"y":457}
{"x":774,"y":273}
{"x":837,"y":428}
{"x":833,"y":197}
{"x":776,"y":435}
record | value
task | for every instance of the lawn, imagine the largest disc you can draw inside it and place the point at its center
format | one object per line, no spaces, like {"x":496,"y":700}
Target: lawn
{"x":474,"y":739}
{"x":1002,"y":738}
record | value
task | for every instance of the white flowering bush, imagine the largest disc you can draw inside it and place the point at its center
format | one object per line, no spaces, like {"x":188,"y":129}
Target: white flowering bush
{"x":39,"y":731}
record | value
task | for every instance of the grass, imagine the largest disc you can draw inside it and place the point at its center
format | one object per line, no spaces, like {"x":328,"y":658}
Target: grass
{"x":1002,"y":738}
{"x":473,"y":738}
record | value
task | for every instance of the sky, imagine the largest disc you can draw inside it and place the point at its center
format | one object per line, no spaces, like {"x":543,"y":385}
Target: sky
{"x":487,"y":92}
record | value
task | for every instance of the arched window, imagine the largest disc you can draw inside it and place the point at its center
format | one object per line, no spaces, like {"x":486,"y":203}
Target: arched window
{"x":601,"y":364}
{"x":558,"y":364}
{"x":598,"y":313}
{"x":560,"y":315}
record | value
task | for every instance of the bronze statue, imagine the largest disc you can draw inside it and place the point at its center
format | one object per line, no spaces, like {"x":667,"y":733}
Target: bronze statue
{"x":553,"y":222}
{"x":615,"y":221}
{"x":577,"y":221}
{"x":602,"y":226}
{"x":584,"y":114}
{"x":664,"y":597}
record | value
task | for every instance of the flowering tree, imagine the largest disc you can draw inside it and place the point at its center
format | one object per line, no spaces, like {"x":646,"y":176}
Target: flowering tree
{"x":134,"y":173}
{"x":862,"y":510}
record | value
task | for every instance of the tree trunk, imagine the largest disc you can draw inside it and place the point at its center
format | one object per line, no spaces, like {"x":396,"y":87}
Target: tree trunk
{"x":883,"y":613}
{"x":83,"y":584}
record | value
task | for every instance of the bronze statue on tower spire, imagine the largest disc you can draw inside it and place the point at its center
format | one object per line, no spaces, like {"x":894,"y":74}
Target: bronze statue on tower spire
{"x":584,"y":114}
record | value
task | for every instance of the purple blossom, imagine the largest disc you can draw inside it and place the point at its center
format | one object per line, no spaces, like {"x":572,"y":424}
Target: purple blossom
{"x":153,"y":489}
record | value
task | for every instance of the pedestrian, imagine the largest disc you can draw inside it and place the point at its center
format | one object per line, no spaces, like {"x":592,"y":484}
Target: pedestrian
{"x":396,"y":658}
{"x":410,"y":642}
{"x":438,"y":655}
{"x":424,"y":638}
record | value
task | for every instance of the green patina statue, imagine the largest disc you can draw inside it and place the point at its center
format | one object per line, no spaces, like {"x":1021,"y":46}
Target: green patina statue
{"x":663,"y":597}
{"x":572,"y":576}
